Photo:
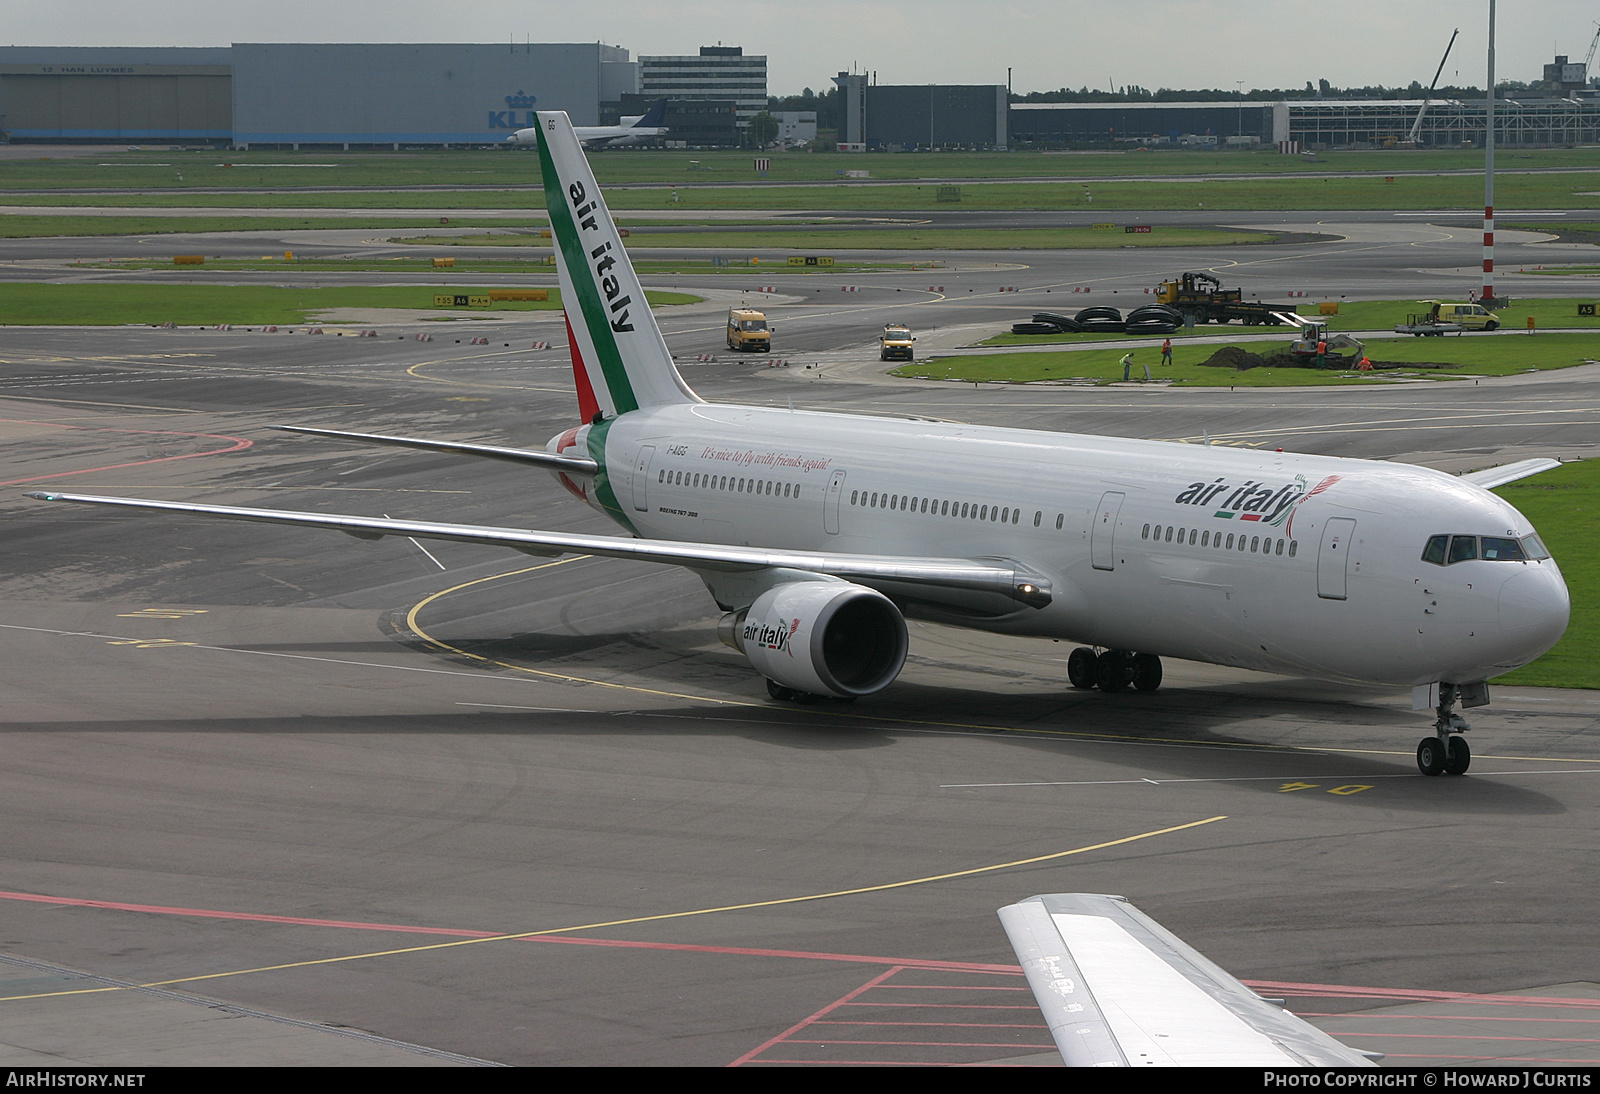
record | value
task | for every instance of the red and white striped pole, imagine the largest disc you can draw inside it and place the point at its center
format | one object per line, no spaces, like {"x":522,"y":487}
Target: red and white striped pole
{"x":1488,"y":176}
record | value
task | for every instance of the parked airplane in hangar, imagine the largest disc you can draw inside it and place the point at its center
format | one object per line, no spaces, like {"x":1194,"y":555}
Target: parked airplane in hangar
{"x":819,"y":533}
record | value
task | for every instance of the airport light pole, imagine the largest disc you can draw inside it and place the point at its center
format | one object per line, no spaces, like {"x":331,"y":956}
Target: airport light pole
{"x":1488,"y":176}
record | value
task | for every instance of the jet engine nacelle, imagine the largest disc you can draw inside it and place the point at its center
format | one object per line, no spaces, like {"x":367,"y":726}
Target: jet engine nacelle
{"x":823,"y":637}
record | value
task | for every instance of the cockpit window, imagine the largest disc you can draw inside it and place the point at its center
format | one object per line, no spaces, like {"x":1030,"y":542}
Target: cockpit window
{"x":1506,"y":550}
{"x":1448,"y":550}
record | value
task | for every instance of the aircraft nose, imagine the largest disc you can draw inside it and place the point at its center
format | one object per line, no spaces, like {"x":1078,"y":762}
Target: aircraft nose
{"x":1534,"y":608}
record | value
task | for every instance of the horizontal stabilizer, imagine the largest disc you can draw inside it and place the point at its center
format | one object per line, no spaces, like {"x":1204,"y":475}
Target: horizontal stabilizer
{"x":981,"y":575}
{"x":1491,"y":477}
{"x":1119,"y":990}
{"x":576,"y":465}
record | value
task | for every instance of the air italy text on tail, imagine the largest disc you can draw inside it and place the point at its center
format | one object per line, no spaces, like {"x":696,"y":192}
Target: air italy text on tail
{"x":619,"y":359}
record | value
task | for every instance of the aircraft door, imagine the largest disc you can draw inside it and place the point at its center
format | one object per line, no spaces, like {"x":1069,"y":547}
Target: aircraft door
{"x":830,"y":504}
{"x":1102,"y":536}
{"x":641,"y":478}
{"x":1333,"y":558}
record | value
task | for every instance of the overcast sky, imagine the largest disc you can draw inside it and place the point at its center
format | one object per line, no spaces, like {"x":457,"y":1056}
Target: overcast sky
{"x":1046,"y":43}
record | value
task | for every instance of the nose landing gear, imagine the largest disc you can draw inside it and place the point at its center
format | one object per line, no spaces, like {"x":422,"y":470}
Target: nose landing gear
{"x":1444,"y":753}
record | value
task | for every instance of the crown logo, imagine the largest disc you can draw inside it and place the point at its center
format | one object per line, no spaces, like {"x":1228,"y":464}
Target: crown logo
{"x":521,"y":100}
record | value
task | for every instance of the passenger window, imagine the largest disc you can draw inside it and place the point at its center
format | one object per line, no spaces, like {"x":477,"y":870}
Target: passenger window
{"x":1039,"y":515}
{"x":1435,"y":551}
{"x":1280,"y":547}
{"x":1230,"y":542}
{"x":1293,"y":545}
{"x":1169,"y":534}
{"x":1463,"y":548}
{"x":1205,"y":539}
{"x":1059,"y":518}
{"x":1192,"y":534}
{"x":1255,"y":543}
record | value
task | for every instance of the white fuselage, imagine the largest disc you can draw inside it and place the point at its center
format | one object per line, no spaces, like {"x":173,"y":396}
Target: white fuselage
{"x":1297,"y":564}
{"x":601,"y":136}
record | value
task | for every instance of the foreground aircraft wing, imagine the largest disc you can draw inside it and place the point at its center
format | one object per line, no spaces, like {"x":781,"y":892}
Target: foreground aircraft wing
{"x":982,"y":575}
{"x":575,"y":465}
{"x":1119,"y":990}
{"x":1491,"y":477}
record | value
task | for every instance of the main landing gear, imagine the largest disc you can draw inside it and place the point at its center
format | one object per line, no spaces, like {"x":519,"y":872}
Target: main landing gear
{"x":1113,"y":670}
{"x":791,"y":695}
{"x":1444,"y":753}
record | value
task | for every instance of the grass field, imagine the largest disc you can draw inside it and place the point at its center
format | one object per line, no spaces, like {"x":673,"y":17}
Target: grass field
{"x":205,"y":305}
{"x":650,"y":180}
{"x":21,"y":226}
{"x":1478,"y":355}
{"x":1564,"y":506}
{"x":180,"y":170}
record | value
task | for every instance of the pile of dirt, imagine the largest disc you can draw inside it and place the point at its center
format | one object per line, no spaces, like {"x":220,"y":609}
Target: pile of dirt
{"x":1240,"y":359}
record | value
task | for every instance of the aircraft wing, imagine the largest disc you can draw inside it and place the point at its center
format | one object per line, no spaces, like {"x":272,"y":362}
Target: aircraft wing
{"x":984,"y":575}
{"x":1491,"y":477}
{"x":574,"y":465}
{"x":1119,"y":990}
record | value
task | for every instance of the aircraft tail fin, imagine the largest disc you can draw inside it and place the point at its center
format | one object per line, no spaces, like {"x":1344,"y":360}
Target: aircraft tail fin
{"x":654,"y":117}
{"x":619,"y":359}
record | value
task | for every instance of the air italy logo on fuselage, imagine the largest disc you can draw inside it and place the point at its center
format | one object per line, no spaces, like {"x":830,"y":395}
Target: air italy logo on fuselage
{"x":601,"y":258}
{"x":1252,"y":500}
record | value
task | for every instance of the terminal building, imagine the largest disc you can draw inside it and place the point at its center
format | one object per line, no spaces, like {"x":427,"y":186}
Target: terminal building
{"x":890,"y":117}
{"x":717,"y":74}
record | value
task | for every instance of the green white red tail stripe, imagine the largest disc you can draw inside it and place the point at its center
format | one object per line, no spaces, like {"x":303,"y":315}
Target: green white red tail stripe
{"x":618,"y":353}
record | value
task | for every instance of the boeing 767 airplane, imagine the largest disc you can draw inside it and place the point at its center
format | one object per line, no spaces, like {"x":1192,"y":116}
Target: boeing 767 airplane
{"x":818,"y":534}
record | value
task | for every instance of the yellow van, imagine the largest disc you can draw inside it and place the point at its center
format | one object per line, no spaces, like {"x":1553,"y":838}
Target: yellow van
{"x":1470,"y":316}
{"x":747,"y":330}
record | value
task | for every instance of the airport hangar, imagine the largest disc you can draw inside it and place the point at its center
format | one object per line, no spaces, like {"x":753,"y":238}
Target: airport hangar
{"x":304,"y":95}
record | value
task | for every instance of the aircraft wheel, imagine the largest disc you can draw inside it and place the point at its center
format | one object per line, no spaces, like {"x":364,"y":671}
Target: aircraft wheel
{"x":1146,"y":671}
{"x":1458,"y":758}
{"x":779,"y":692}
{"x":1081,"y":668}
{"x":1430,"y":756}
{"x":1112,"y":670}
